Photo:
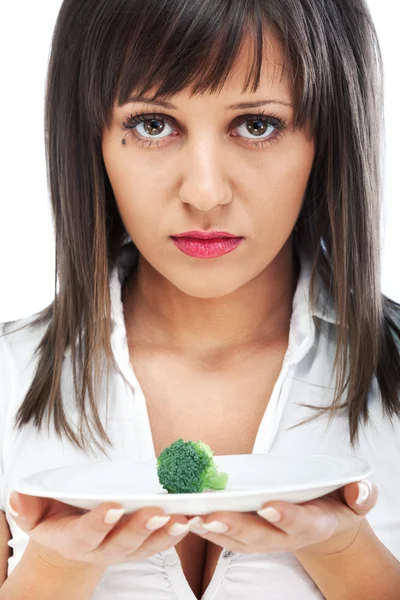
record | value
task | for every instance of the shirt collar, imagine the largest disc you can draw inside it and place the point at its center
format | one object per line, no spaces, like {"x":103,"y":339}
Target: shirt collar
{"x":324,"y":306}
{"x":302,"y":326}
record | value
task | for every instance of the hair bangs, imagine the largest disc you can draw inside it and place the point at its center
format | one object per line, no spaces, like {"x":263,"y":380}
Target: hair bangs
{"x":195,"y":47}
{"x":198,"y":51}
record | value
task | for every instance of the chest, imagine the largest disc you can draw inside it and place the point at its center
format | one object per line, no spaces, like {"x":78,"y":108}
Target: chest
{"x":222,"y":407}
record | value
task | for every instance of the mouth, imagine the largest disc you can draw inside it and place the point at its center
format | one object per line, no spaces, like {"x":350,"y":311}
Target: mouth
{"x":211,"y":246}
{"x":206,"y":235}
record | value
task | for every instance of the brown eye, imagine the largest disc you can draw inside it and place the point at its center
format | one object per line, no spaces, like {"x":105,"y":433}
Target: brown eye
{"x":149,"y":125}
{"x":256,"y":127}
{"x":259,"y":129}
{"x":153,"y":126}
{"x":153,"y":129}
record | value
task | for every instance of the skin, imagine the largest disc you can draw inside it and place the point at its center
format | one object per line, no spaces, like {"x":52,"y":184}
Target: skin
{"x":206,"y":174}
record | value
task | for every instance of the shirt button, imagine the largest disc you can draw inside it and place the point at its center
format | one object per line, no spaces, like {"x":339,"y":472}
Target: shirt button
{"x":228,"y":554}
{"x":171,"y":560}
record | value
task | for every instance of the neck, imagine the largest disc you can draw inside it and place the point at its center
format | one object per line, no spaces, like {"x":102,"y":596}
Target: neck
{"x":256,"y":315}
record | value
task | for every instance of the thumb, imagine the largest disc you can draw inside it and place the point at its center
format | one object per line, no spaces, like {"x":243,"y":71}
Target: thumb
{"x":361,"y":496}
{"x":28,"y":511}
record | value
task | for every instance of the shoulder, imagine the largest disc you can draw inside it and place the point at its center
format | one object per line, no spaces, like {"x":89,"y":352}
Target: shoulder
{"x":21,"y":337}
{"x":19,"y":340}
{"x":392,"y":317}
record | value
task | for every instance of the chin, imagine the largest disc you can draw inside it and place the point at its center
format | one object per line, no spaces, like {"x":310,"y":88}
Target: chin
{"x":207,"y":289}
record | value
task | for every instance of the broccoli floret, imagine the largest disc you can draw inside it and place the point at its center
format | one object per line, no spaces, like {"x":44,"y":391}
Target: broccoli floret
{"x":188,"y":467}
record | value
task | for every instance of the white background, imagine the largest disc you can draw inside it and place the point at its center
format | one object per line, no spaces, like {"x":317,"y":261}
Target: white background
{"x":27,"y":252}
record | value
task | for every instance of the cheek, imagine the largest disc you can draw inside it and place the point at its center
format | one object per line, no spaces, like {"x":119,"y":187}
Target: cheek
{"x":137,"y":194}
{"x":280,"y":189}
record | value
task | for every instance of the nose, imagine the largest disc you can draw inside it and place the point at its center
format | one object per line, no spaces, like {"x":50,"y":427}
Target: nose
{"x":205,"y":184}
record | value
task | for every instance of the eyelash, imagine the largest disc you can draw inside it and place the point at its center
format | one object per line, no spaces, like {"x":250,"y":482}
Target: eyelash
{"x":279,"y":124}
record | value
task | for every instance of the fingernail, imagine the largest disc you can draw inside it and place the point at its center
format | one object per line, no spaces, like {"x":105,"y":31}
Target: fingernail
{"x":196,"y":525}
{"x":364,"y":491}
{"x":178,"y":528}
{"x":113,"y":515}
{"x":195,"y":521}
{"x":216,"y":527}
{"x":12,"y":512}
{"x":157,"y":522}
{"x":270,"y":514}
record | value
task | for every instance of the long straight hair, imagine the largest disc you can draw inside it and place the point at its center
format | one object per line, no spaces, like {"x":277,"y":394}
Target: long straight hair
{"x":104,"y":49}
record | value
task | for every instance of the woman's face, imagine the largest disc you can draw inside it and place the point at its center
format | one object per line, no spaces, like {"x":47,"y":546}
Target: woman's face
{"x":204,"y":165}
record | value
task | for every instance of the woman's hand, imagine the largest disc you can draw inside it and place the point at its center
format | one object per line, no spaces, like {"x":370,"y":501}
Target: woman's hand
{"x":102,"y":536}
{"x":327,"y":525}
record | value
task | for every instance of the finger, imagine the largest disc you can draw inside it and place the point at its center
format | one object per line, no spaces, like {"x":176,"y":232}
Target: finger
{"x":284,"y":527}
{"x":224,"y":540}
{"x":166,"y":537}
{"x":309,"y":523}
{"x":361,"y":497}
{"x":28,"y":511}
{"x":62,"y":527}
{"x":147,"y":532}
{"x":244,"y":530}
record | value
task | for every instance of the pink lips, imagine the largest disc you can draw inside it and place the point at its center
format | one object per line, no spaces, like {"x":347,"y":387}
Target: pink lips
{"x":203,"y":244}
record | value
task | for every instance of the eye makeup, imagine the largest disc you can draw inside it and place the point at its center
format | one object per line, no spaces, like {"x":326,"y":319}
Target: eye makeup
{"x":262,"y":120}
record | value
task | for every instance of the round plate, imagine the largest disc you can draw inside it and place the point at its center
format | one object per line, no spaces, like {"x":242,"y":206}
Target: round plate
{"x":253,"y":480}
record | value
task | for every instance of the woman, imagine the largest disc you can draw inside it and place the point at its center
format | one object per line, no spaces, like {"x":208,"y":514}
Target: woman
{"x":260,"y":120}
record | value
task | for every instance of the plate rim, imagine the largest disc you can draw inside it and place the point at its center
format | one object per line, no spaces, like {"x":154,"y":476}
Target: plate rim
{"x":363,"y":464}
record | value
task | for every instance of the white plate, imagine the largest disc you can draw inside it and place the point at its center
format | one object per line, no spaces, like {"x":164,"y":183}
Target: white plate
{"x":253,"y":480}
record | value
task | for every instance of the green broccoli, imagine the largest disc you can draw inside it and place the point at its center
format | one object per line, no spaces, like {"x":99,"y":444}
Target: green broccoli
{"x":188,"y":467}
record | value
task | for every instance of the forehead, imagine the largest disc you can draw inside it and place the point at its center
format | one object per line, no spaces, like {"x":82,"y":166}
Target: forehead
{"x":274,"y":79}
{"x":273,"y":76}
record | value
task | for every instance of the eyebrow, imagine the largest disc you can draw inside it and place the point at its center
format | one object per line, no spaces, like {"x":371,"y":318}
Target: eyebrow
{"x":242,"y":105}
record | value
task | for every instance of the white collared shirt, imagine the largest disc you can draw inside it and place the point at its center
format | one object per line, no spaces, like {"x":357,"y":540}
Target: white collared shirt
{"x":306,"y":377}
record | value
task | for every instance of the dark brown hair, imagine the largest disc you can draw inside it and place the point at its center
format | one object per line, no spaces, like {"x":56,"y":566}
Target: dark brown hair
{"x":102,"y":50}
